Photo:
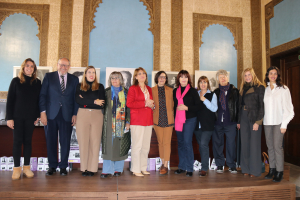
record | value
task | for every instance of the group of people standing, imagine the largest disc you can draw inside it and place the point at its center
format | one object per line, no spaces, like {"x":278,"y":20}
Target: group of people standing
{"x":120,"y":118}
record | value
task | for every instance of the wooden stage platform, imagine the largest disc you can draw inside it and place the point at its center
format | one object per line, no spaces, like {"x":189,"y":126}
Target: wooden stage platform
{"x":127,"y":186}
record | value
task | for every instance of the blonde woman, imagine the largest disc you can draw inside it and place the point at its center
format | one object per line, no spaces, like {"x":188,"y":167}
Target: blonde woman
{"x":22,"y":112}
{"x":90,"y":96}
{"x":251,"y":104}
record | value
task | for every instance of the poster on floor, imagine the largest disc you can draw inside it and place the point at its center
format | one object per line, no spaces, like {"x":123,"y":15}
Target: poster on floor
{"x":127,"y":74}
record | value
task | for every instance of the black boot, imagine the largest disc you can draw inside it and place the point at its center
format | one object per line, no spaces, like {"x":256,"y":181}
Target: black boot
{"x":271,"y":173}
{"x":278,"y":176}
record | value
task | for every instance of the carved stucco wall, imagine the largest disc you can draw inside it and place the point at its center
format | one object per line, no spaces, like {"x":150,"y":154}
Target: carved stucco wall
{"x":53,"y":31}
{"x":234,"y":24}
{"x":88,"y":24}
{"x":268,"y":7}
{"x":165,"y":36}
{"x":229,"y":8}
{"x":40,"y":14}
{"x":77,"y":30}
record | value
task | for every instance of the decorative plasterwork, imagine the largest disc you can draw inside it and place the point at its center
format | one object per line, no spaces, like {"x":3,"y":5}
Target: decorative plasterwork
{"x":231,"y":27}
{"x":284,"y":47}
{"x":156,"y":32}
{"x":94,"y":6}
{"x":269,"y":13}
{"x":234,"y":25}
{"x":177,"y":35}
{"x":36,"y":16}
{"x":3,"y":96}
{"x":90,"y":7}
{"x":40,"y":14}
{"x":256,"y":38}
{"x":149,"y":7}
{"x":65,"y":33}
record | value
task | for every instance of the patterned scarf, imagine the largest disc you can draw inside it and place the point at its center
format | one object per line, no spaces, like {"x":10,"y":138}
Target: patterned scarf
{"x":118,"y":103}
{"x":222,"y":95}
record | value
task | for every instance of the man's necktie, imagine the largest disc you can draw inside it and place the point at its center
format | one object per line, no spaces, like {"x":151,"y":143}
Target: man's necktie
{"x":62,"y":84}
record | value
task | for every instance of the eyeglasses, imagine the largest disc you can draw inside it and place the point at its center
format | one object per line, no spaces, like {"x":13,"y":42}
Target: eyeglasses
{"x":162,"y":77}
{"x":62,"y":65}
{"x":114,"y":78}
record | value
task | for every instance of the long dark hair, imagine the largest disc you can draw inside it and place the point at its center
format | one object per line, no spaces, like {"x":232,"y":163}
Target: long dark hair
{"x":278,"y":80}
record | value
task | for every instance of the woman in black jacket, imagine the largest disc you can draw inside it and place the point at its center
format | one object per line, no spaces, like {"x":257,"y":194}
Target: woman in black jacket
{"x":22,"y":113}
{"x":251,"y":115}
{"x":186,"y":105}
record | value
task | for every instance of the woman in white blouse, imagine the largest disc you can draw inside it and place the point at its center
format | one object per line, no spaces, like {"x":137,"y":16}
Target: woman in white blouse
{"x":279,"y":111}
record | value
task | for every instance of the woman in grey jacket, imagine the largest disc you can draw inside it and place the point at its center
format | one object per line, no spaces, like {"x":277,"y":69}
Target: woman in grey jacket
{"x":251,"y":115}
{"x":115,"y":135}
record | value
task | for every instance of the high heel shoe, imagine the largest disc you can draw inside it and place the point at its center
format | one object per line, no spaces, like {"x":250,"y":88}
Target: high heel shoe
{"x":138,"y":174}
{"x":145,"y":172}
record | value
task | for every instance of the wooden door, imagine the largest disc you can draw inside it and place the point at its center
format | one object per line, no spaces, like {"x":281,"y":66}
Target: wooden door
{"x":290,"y":71}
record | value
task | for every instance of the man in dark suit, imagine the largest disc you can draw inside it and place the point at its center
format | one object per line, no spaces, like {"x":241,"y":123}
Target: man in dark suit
{"x":58,"y":113}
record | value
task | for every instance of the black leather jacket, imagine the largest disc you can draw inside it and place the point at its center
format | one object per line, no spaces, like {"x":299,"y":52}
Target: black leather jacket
{"x":254,"y":101}
{"x":233,"y":102}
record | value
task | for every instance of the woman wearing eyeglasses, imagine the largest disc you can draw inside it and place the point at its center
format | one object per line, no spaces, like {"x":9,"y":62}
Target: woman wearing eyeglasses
{"x":115,"y":136}
{"x":163,"y":118}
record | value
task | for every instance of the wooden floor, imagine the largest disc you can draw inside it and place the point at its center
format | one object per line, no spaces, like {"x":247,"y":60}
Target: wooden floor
{"x":213,"y":186}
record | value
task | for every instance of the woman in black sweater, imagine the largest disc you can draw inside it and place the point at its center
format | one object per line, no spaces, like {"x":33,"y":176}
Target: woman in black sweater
{"x":186,"y":105}
{"x":90,"y":96}
{"x":22,"y":113}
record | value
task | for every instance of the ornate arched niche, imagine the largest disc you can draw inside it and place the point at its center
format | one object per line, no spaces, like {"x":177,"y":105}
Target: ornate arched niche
{"x":40,"y":14}
{"x":90,"y":7}
{"x":234,"y":24}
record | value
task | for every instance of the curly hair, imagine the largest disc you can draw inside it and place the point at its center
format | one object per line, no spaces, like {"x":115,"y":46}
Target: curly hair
{"x":278,"y":80}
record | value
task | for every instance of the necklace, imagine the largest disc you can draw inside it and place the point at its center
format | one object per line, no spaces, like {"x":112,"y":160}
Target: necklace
{"x":145,"y":92}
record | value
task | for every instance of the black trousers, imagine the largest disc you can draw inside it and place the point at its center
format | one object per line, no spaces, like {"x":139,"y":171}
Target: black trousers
{"x":23,"y":130}
{"x":65,"y":131}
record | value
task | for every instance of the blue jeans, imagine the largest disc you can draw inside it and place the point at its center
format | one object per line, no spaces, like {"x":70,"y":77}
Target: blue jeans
{"x":203,"y":138}
{"x":185,"y":145}
{"x":218,"y":145}
{"x":110,"y":167}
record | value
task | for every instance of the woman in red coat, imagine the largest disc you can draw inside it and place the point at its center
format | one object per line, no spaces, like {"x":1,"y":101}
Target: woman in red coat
{"x":140,"y":102}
